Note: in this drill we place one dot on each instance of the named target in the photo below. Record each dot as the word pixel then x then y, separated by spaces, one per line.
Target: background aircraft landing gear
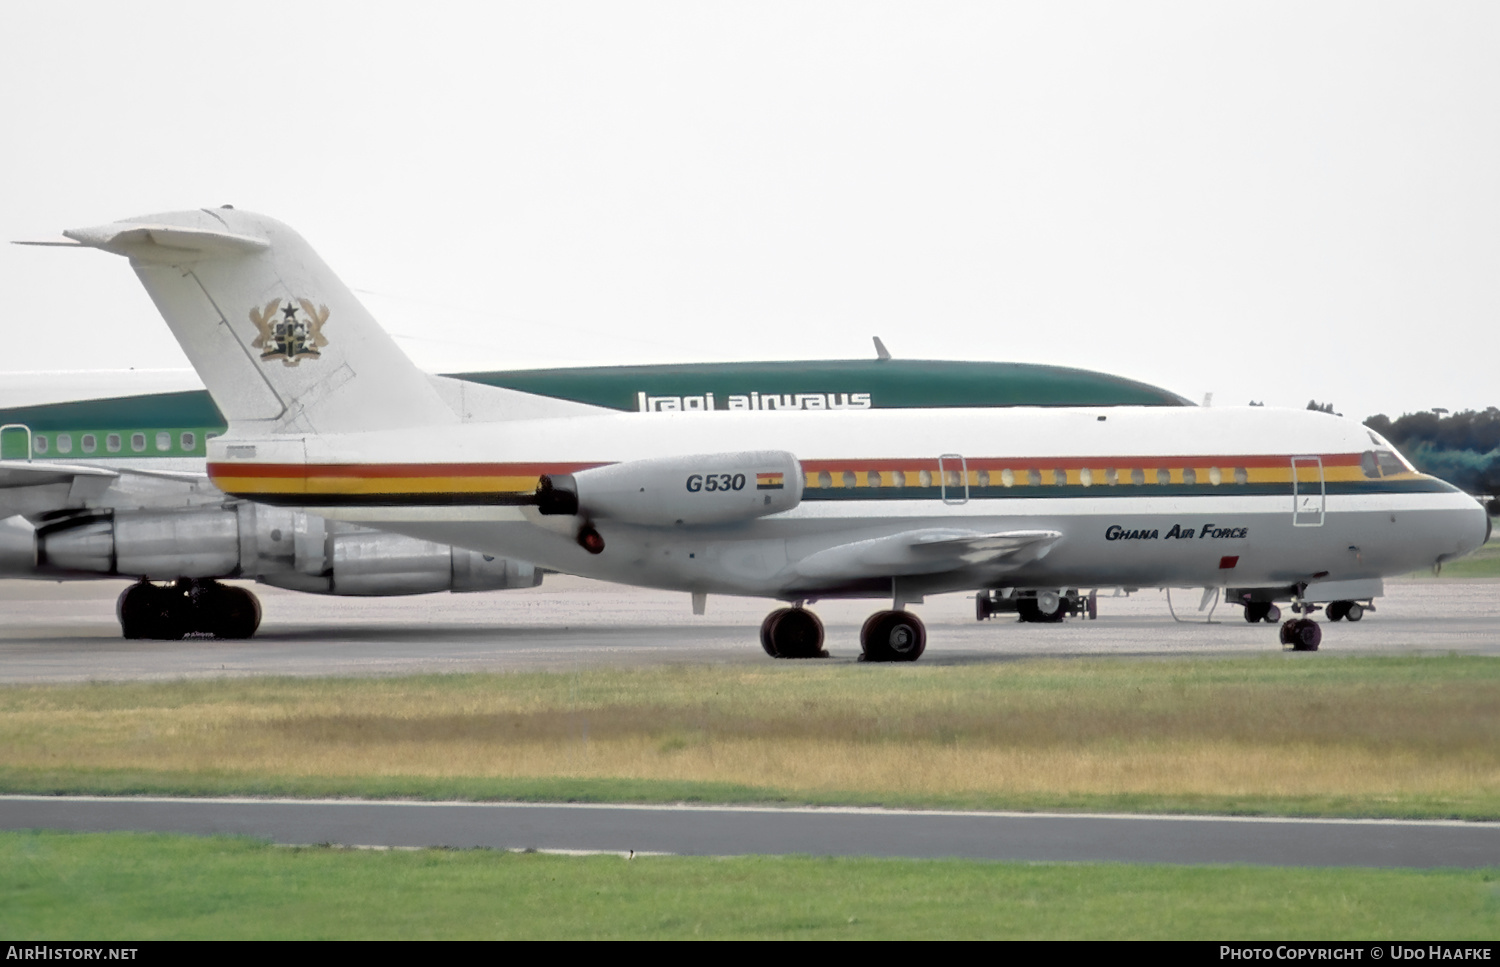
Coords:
pixel 892 636
pixel 1302 634
pixel 1046 607
pixel 792 633
pixel 185 607
pixel 1262 611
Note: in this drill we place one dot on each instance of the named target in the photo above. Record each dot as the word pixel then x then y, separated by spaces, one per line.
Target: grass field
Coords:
pixel 142 886
pixel 1285 734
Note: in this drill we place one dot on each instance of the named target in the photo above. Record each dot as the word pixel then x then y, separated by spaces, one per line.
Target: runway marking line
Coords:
pixel 811 810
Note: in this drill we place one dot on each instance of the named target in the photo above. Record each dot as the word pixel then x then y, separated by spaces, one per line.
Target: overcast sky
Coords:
pixel 1263 201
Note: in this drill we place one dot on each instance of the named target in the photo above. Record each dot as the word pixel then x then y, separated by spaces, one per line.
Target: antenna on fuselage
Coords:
pixel 881 353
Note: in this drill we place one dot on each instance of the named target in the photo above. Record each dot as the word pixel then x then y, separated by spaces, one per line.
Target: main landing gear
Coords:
pixel 886 636
pixel 187 606
pixel 1256 611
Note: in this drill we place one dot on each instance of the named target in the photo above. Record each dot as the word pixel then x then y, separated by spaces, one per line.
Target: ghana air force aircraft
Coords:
pixel 116 486
pixel 326 415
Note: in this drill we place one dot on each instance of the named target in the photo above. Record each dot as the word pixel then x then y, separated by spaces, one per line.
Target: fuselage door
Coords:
pixel 1309 496
pixel 15 441
pixel 953 471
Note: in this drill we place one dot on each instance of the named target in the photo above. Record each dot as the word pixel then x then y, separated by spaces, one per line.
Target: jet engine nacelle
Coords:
pixel 279 547
pixel 710 488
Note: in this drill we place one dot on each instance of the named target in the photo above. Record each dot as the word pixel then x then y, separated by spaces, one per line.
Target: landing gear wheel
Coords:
pixel 792 633
pixel 1029 610
pixel 1257 611
pixel 1336 610
pixel 1273 614
pixel 893 636
pixel 1093 605
pixel 1302 634
pixel 228 612
pixel 147 611
pixel 1354 611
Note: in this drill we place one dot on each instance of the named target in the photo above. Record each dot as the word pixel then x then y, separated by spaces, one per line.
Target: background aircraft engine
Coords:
pixel 713 488
pixel 282 548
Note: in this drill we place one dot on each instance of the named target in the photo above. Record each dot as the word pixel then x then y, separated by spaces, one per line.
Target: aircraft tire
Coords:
pixel 149 612
pixel 230 613
pixel 1302 634
pixel 797 633
pixel 1354 611
pixel 893 636
pixel 1337 609
pixel 766 642
pixel 1273 615
pixel 1257 611
pixel 1028 611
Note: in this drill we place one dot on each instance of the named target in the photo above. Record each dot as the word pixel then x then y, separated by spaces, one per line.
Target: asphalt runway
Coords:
pixel 67 632
pixel 731 831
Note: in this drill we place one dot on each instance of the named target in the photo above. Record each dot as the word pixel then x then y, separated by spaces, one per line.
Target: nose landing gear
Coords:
pixel 1301 634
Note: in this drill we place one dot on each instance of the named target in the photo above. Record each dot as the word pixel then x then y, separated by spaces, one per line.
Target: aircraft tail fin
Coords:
pixel 273 333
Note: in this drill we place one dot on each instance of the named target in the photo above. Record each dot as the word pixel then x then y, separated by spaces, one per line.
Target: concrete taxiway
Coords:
pixel 67 632
pixel 728 830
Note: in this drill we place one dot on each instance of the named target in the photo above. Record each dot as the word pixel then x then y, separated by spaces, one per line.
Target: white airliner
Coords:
pixel 326 414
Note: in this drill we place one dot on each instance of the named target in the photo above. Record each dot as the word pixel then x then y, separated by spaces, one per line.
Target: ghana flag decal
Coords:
pixel 770 481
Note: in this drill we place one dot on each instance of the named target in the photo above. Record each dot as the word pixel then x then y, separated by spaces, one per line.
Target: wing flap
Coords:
pixel 24 473
pixel 926 551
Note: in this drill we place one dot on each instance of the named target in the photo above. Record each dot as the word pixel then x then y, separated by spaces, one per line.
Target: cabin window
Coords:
pixel 1163 476
pixel 137 442
pixel 1215 477
pixel 873 478
pixel 924 478
pixel 850 480
pixel 1007 478
pixel 898 478
pixel 1189 476
pixel 1111 476
pixel 39 444
pixel 90 444
pixel 111 443
pixel 825 480
pixel 982 478
pixel 1241 475
pixel 164 441
pixel 1086 477
pixel 1138 477
pixel 1034 477
pixel 65 443
pixel 189 441
pixel 1060 477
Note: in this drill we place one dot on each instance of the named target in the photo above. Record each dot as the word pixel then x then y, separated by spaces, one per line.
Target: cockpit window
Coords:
pixel 1383 463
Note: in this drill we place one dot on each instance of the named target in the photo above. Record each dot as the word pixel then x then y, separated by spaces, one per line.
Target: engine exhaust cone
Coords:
pixel 591 540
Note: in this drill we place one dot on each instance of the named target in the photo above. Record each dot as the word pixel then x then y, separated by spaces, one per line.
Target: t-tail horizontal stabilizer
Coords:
pixel 275 336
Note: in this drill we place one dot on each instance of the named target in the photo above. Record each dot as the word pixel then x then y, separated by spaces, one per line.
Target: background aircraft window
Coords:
pixel 825 480
pixel 164 441
pixel 1390 463
pixel 1163 476
pixel 112 442
pixel 1138 476
pixel 1086 477
pixel 1007 478
pixel 89 443
pixel 1241 475
pixel 39 444
pixel 1189 476
pixel 64 443
pixel 189 441
pixel 1215 476
pixel 898 478
pixel 1034 477
pixel 873 478
pixel 137 442
pixel 924 478
pixel 982 478
pixel 850 480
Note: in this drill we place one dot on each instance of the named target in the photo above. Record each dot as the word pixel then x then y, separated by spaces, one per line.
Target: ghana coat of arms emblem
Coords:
pixel 290 332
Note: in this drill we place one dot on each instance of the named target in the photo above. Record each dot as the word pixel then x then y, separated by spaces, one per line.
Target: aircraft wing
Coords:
pixel 930 550
pixel 27 473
